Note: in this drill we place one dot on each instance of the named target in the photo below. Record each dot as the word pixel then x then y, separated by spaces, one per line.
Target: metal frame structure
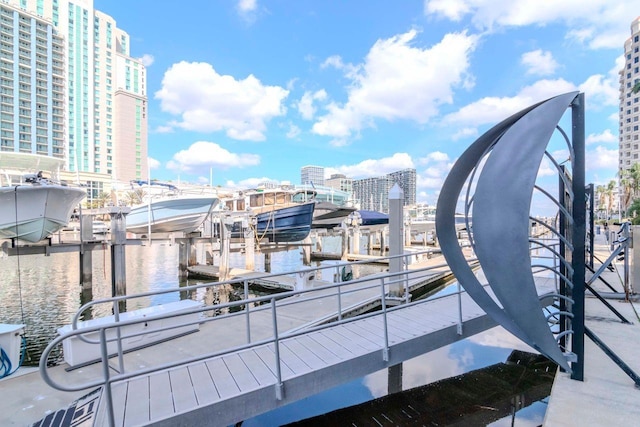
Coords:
pixel 499 171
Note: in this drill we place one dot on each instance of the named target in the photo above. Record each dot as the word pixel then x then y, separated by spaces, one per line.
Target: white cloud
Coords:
pixel 490 110
pixel 247 5
pixel 247 9
pixel 431 176
pixel 597 23
pixel 373 167
pixel 399 81
pixel 539 62
pixel 153 163
pixel 602 158
pixel 293 131
pixel 334 61
pixel 305 104
pixel 202 155
pixel 464 133
pixel 164 129
pixel 605 136
pixel 210 102
pixel 147 59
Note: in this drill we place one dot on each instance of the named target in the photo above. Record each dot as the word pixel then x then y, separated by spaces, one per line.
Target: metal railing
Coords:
pixel 116 331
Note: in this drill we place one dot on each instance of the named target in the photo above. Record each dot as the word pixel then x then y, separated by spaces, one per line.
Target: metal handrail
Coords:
pixel 108 378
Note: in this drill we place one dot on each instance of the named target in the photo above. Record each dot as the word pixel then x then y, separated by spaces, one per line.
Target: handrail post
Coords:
pixel 116 314
pixel 107 382
pixel 246 307
pixel 459 308
pixel 339 302
pixel 276 342
pixel 385 350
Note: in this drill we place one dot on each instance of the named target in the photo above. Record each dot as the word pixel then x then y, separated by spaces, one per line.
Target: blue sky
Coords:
pixel 255 89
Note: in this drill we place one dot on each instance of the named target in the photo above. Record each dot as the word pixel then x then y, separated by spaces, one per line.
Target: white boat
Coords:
pixel 172 212
pixel 33 207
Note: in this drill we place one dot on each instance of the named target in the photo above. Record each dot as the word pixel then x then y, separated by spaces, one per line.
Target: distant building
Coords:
pixel 340 182
pixel 629 149
pixel 70 88
pixel 312 175
pixel 373 193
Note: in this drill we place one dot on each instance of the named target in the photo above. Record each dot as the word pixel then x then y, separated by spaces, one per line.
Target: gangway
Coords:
pixel 272 369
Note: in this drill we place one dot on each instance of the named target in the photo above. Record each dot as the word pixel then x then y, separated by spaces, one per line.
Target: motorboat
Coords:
pixel 332 206
pixel 330 215
pixel 170 212
pixel 32 207
pixel 278 214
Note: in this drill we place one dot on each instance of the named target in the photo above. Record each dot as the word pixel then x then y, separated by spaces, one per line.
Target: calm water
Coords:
pixel 44 293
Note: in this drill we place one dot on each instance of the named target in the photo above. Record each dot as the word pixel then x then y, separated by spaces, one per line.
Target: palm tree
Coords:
pixel 630 184
pixel 608 194
pixel 134 197
pixel 636 87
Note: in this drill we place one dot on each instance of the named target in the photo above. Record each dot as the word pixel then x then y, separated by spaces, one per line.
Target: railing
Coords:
pixel 113 332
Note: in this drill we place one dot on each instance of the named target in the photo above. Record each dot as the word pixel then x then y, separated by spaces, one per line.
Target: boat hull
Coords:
pixel 288 224
pixel 328 215
pixel 183 214
pixel 33 212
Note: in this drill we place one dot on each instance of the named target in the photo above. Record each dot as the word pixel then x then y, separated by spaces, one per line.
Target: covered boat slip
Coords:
pixel 217 386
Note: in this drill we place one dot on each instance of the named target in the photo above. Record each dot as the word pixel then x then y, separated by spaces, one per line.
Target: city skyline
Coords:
pixel 250 91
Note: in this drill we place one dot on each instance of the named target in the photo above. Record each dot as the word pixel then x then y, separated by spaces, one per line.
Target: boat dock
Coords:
pixel 607 396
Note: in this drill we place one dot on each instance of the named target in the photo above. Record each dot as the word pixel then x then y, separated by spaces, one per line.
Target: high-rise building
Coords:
pixel 630 101
pixel 340 182
pixel 32 84
pixel 373 193
pixel 104 89
pixel 406 179
pixel 312 175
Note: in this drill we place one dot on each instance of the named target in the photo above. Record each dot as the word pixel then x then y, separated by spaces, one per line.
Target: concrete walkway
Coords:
pixel 607 396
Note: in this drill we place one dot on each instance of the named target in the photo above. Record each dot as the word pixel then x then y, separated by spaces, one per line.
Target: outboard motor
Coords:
pixel 32 177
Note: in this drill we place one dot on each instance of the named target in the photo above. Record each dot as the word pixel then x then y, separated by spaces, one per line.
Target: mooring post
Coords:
pixel 225 247
pixel 249 249
pixel 394 379
pixel 184 248
pixel 306 250
pixel 345 244
pixel 355 249
pixel 396 243
pixel 86 257
pixel 118 244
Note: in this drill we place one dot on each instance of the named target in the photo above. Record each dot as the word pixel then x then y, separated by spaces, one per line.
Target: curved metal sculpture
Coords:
pixel 512 151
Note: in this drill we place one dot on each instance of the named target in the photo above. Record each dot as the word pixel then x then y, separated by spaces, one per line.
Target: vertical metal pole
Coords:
pixel 118 261
pixel 590 191
pixel 276 342
pixel 459 329
pixel 396 243
pixel 107 382
pixel 562 247
pixel 247 308
pixel 383 299
pixel 340 301
pixel 579 220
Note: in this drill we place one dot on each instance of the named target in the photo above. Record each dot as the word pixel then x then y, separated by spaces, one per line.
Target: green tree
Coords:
pixel 630 185
pixel 134 197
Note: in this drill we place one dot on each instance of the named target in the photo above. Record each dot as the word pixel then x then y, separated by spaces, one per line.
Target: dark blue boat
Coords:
pixel 286 224
pixel 373 218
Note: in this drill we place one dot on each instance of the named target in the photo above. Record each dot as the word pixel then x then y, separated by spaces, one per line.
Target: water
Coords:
pixel 44 293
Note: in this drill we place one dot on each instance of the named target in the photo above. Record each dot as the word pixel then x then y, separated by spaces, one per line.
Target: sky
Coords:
pixel 246 91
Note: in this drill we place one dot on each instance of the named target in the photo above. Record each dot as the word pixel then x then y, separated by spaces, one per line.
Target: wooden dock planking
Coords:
pixel 136 410
pixel 203 385
pixel 184 396
pixel 261 370
pixel 240 373
pixel 224 382
pixel 160 396
pixel 232 380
